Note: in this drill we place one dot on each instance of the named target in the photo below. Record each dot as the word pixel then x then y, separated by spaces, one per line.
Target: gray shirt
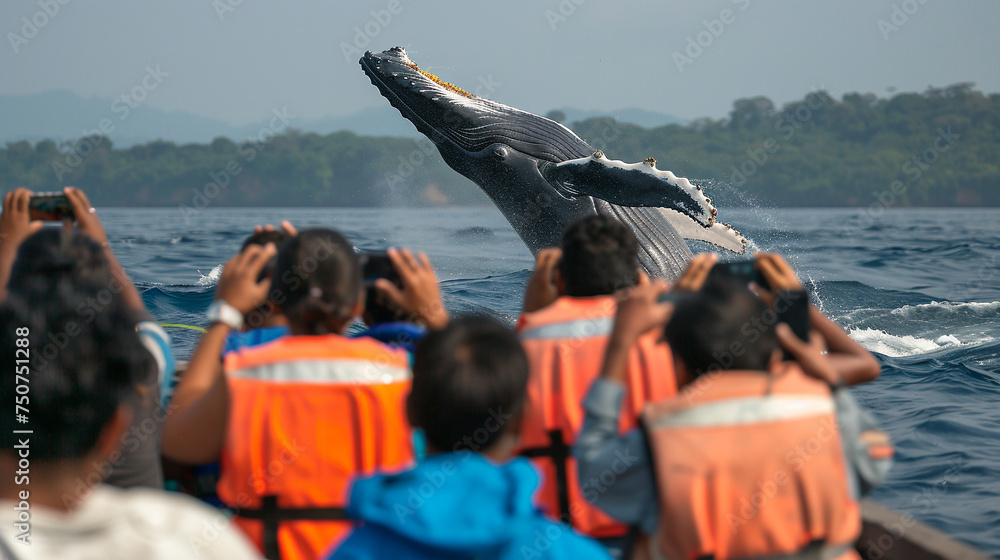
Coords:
pixel 616 474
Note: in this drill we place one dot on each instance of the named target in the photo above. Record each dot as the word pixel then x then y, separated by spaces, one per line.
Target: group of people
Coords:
pixel 620 417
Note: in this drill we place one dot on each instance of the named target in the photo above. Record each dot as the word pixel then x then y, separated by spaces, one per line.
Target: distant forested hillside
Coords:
pixel 939 148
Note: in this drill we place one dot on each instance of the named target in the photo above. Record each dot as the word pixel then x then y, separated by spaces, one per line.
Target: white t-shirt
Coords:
pixel 135 524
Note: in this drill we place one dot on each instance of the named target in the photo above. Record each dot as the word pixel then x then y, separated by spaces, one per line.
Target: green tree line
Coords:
pixel 938 148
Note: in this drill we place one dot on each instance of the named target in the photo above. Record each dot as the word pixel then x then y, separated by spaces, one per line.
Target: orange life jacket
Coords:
pixel 307 414
pixel 565 343
pixel 750 465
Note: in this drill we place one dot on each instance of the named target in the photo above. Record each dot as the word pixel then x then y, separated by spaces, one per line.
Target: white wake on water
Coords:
pixel 875 340
pixel 212 278
pixel 972 308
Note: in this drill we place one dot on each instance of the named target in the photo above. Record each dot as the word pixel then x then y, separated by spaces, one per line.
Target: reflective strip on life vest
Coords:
pixel 813 551
pixel 748 410
pixel 326 371
pixel 580 328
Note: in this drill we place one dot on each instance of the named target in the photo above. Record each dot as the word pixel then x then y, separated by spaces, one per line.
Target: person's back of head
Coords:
pixel 81 371
pixel 715 329
pixel 266 314
pixel 59 260
pixel 317 282
pixel 264 237
pixel 463 376
pixel 600 256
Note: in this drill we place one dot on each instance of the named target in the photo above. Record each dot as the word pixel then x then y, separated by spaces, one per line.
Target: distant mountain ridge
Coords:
pixel 62 115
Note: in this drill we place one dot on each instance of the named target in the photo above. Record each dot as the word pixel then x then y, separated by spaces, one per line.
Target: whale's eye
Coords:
pixel 500 152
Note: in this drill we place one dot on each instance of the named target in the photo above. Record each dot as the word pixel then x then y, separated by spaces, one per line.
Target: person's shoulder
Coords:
pixel 171 517
pixel 554 541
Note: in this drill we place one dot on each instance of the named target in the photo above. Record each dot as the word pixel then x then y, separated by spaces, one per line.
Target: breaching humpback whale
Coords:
pixel 542 176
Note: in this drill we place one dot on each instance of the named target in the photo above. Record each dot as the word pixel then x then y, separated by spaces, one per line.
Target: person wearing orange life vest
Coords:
pixel 569 310
pixel 758 459
pixel 295 419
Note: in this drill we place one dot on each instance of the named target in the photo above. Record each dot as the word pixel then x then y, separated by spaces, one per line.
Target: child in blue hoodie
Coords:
pixel 467 499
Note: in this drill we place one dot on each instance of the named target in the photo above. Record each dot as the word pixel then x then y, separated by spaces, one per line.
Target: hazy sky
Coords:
pixel 238 59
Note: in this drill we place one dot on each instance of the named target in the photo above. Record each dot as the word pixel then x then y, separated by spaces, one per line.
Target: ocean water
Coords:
pixel 920 288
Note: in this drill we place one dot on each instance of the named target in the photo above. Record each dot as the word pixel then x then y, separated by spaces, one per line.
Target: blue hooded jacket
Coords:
pixel 457 505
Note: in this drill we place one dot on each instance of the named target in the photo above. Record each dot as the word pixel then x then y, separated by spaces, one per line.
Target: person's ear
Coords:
pixel 560 282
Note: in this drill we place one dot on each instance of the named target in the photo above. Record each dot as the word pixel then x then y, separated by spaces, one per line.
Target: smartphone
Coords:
pixel 792 307
pixel 49 207
pixel 741 271
pixel 375 265
pixel 672 297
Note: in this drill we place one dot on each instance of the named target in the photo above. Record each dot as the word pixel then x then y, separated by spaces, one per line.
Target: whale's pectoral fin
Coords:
pixel 719 234
pixel 630 184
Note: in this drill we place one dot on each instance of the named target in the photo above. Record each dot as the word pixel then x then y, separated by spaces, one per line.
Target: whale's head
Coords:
pixel 535 169
pixel 456 119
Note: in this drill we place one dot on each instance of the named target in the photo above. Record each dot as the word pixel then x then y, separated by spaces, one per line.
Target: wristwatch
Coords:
pixel 222 312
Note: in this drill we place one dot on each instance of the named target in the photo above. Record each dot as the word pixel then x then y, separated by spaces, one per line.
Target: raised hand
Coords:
pixel 420 294
pixel 541 288
pixel 85 216
pixel 697 271
pixel 238 285
pixel 809 355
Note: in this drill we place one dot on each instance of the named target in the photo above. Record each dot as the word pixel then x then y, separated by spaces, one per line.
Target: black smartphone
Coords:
pixel 49 207
pixel 740 271
pixel 375 265
pixel 671 297
pixel 792 307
